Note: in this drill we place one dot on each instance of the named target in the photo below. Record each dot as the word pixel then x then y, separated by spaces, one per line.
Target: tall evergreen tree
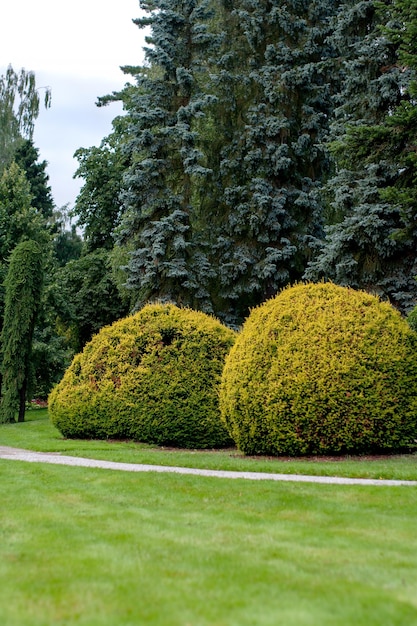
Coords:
pixel 161 210
pixel 224 152
pixel 23 286
pixel 27 157
pixel 275 96
pixel 397 138
pixel 19 221
pixel 373 241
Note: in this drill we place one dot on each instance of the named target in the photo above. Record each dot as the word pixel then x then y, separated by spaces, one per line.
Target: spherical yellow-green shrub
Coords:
pixel 322 369
pixel 151 377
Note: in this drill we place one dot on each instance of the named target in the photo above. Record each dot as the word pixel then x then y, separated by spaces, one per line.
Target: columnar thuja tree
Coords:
pixel 161 212
pixel 277 87
pixel 23 286
pixel 371 243
pixel 18 219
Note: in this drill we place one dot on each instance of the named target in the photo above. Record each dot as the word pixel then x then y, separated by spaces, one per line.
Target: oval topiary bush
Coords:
pixel 322 369
pixel 151 377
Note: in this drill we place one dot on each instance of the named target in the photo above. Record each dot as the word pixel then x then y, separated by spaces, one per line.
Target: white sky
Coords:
pixel 76 48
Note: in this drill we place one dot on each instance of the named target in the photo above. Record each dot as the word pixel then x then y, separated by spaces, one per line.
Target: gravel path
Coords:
pixel 17 454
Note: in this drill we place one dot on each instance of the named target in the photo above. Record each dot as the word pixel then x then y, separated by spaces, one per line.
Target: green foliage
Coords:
pixel 19 221
pixel 50 355
pixel 373 193
pixel 275 92
pixel 412 319
pixel 67 245
pixel 98 205
pixel 27 157
pixel 19 108
pixel 151 377
pixel 85 297
pixel 23 289
pixel 161 211
pixel 322 369
pixel 18 218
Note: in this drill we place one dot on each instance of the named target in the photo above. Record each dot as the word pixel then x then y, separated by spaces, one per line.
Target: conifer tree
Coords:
pixel 19 221
pixel 275 89
pixel 225 152
pixel 372 242
pixel 160 197
pixel 396 139
pixel 23 289
pixel 27 157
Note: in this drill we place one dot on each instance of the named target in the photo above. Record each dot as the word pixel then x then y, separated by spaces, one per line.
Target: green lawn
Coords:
pixel 38 434
pixel 94 547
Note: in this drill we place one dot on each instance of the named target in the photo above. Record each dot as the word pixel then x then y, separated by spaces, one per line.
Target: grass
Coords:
pixel 37 433
pixel 91 547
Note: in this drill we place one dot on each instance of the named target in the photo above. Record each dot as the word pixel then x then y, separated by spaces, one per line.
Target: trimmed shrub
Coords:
pixel 322 369
pixel 151 377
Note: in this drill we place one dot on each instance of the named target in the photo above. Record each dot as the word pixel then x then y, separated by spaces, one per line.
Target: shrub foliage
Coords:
pixel 322 369
pixel 151 377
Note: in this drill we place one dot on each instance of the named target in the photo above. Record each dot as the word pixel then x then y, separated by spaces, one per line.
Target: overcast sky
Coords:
pixel 76 49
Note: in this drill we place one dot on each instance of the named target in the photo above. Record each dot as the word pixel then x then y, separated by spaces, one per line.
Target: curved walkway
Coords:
pixel 17 454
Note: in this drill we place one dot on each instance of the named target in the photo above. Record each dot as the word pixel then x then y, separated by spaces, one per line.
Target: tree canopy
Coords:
pixel 372 244
pixel 19 107
pixel 262 143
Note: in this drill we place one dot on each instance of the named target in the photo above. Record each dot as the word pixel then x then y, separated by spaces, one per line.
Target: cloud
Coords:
pixel 81 37
pixel 72 122
pixel 76 49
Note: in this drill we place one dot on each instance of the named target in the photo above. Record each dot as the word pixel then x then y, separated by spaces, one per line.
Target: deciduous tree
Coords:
pixel 85 298
pixel 19 108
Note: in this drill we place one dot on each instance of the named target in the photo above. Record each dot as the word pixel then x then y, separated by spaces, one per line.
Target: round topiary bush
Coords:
pixel 151 377
pixel 322 369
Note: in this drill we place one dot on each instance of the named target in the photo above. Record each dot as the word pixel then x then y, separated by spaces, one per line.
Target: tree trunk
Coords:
pixel 22 400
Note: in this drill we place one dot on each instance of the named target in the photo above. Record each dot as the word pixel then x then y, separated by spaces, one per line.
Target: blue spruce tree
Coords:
pixel 161 220
pixel 371 237
pixel 274 87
